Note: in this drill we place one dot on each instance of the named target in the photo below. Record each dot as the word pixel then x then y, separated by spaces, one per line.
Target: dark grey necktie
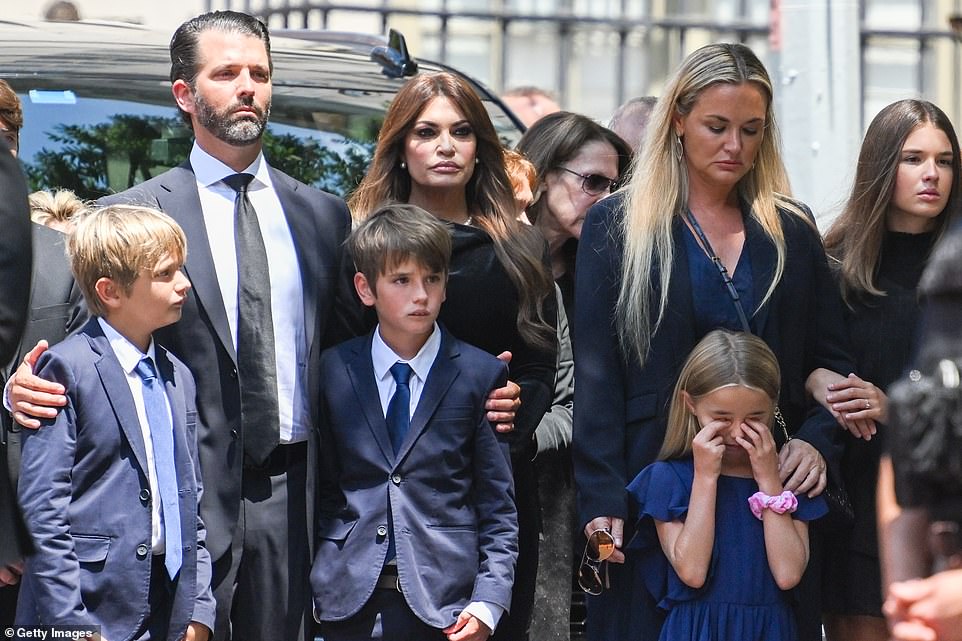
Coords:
pixel 255 330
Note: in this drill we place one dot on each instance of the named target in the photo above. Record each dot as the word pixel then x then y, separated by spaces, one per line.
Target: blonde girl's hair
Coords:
pixel 854 241
pixel 658 191
pixel 519 249
pixel 721 358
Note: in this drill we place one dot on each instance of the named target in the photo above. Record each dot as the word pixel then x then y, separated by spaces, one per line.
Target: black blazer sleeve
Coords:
pixel 16 254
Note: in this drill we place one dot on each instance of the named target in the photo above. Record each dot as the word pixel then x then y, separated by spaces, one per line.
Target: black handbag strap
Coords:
pixel 736 300
pixel 726 277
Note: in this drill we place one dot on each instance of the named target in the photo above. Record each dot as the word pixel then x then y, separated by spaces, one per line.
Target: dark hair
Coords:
pixel 184 45
pixel 855 238
pixel 557 138
pixel 395 233
pixel 519 249
pixel 11 111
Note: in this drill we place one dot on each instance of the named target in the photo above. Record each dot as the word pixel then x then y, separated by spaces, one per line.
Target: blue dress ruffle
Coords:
pixel 740 600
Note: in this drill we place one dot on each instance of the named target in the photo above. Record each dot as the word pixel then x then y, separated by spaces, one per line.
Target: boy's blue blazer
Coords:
pixel 449 489
pixel 85 495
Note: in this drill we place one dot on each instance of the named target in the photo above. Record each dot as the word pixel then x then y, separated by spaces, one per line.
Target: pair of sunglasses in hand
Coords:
pixel 600 546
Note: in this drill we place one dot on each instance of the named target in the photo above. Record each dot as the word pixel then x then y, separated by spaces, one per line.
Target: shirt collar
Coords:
pixel 209 171
pixel 383 357
pixel 127 353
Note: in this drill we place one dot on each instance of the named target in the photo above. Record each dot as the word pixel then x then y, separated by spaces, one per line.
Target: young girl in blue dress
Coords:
pixel 721 542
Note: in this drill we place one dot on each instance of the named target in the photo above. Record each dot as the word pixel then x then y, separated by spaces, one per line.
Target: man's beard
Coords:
pixel 228 127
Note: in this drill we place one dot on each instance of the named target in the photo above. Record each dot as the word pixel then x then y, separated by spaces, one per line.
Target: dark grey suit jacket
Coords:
pixel 56 310
pixel 449 489
pixel 15 263
pixel 319 223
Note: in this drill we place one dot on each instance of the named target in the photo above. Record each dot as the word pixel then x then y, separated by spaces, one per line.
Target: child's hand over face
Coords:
pixel 708 447
pixel 757 440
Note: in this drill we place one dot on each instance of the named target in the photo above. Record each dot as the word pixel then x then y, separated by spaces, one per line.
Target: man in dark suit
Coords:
pixel 417 528
pixel 15 264
pixel 255 382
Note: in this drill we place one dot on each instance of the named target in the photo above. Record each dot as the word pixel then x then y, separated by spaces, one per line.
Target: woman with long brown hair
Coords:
pixel 904 196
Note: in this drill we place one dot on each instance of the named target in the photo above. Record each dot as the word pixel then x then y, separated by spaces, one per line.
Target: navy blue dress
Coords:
pixel 740 600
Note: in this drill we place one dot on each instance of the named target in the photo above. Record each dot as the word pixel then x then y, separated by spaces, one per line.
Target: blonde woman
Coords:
pixel 703 237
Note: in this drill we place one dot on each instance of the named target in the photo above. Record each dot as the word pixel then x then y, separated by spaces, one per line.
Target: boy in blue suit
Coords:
pixel 417 528
pixel 110 487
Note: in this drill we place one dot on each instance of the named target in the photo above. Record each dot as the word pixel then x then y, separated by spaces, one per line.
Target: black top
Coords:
pixel 882 332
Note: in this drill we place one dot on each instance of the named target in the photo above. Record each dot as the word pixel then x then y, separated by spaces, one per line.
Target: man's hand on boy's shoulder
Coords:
pixel 467 628
pixel 30 397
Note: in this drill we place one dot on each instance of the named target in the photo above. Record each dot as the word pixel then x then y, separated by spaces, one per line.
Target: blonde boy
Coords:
pixel 109 487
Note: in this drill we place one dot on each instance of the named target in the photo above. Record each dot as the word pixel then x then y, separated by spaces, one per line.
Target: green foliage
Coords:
pixel 111 156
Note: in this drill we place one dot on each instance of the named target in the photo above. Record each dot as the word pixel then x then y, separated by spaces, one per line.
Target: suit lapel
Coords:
pixel 360 369
pixel 303 234
pixel 183 205
pixel 115 384
pixel 442 375
pixel 763 256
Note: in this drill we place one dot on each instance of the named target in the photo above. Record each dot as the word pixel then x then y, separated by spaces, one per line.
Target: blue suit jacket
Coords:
pixel 85 495
pixel 621 409
pixel 449 489
pixel 319 223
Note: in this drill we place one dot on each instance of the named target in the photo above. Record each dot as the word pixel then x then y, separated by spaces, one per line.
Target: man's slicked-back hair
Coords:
pixel 184 56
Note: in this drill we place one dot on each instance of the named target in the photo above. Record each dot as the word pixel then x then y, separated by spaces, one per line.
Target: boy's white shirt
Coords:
pixel 383 358
pixel 129 355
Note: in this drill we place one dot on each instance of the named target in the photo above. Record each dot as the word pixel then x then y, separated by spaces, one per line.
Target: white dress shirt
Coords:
pixel 129 356
pixel 287 290
pixel 383 357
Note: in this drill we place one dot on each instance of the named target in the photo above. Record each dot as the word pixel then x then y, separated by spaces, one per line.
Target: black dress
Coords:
pixel 882 330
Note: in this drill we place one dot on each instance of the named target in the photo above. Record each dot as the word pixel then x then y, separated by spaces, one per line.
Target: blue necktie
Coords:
pixel 399 409
pixel 162 438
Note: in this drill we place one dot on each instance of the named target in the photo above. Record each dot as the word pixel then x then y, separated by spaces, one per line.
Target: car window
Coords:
pixel 99 116
pixel 96 146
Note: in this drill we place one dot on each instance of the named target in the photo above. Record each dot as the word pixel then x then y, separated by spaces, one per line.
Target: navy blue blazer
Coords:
pixel 621 409
pixel 448 492
pixel 86 498
pixel 319 223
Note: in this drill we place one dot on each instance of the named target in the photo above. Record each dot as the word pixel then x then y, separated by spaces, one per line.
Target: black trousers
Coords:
pixel 262 583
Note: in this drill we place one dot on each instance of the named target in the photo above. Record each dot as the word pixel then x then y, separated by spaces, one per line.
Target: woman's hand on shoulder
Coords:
pixel 707 449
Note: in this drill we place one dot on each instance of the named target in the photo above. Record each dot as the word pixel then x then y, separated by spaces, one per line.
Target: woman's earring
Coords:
pixel 477 160
pixel 404 165
pixel 678 148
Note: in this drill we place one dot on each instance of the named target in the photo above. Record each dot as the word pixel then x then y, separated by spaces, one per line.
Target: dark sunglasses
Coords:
pixel 598 549
pixel 593 184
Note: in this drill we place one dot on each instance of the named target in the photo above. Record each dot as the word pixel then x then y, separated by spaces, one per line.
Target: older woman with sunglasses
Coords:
pixel 578 162
pixel 705 236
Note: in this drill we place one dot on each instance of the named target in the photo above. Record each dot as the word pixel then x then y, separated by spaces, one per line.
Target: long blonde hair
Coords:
pixel 721 358
pixel 658 190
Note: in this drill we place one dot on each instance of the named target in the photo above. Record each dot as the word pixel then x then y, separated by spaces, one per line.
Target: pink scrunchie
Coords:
pixel 780 504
